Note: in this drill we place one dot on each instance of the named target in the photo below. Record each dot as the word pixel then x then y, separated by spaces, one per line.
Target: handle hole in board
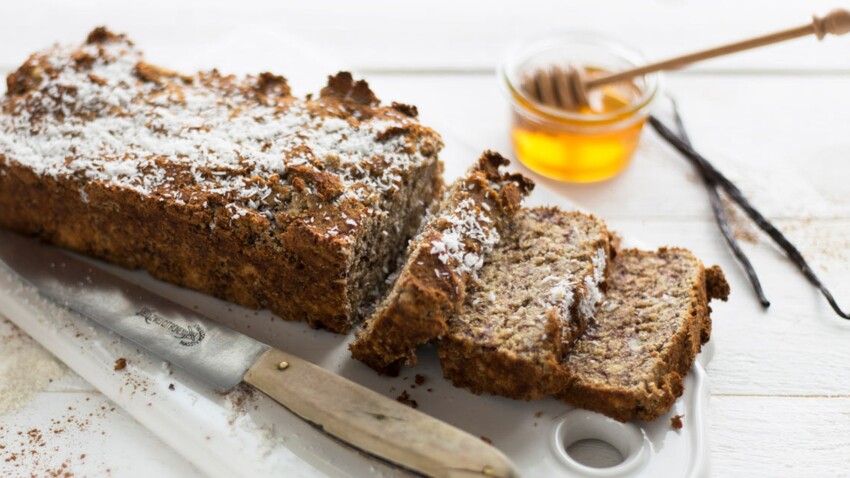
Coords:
pixel 595 453
pixel 592 445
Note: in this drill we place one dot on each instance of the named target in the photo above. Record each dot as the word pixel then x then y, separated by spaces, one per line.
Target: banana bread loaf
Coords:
pixel 632 360
pixel 532 301
pixel 227 185
pixel 441 261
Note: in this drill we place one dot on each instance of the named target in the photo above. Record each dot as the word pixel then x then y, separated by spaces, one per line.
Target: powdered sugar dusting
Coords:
pixel 187 138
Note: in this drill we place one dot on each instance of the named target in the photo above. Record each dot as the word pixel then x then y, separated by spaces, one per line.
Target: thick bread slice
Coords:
pixel 632 360
pixel 441 261
pixel 531 302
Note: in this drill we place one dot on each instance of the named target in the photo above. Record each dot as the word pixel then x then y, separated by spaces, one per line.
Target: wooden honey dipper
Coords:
pixel 567 88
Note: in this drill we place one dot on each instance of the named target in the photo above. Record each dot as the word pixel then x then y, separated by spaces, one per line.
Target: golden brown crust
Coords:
pixel 102 35
pixel 408 110
pixel 430 288
pixel 415 313
pixel 481 369
pixel 157 74
pixel 297 274
pixel 343 87
pixel 715 283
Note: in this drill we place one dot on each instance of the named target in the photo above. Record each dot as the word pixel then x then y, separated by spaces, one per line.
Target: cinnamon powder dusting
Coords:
pixel 40 451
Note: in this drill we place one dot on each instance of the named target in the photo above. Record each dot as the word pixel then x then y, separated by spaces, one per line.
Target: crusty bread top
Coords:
pixel 100 112
pixel 468 220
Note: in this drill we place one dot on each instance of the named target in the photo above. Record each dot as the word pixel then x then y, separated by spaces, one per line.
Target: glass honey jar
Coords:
pixel 589 144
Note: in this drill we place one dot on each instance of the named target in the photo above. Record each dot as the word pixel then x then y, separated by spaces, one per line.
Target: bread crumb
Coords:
pixel 405 399
pixel 120 364
pixel 486 440
pixel 171 386
pixel 676 422
pixel 538 414
pixel 419 379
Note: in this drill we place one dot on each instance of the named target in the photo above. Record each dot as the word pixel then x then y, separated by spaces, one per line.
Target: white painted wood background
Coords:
pixel 776 121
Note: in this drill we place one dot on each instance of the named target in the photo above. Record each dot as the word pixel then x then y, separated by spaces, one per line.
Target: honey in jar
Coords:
pixel 592 143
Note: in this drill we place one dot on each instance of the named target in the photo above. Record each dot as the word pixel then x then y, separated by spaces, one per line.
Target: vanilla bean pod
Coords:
pixel 736 195
pixel 720 215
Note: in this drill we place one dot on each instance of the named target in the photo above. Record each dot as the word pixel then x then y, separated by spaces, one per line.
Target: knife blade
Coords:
pixel 223 358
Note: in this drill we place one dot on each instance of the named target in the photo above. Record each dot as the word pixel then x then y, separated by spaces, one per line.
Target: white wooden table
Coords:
pixel 776 121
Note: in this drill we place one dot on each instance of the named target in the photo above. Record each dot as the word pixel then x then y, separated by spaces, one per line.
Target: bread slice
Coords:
pixel 441 261
pixel 532 301
pixel 228 185
pixel 632 360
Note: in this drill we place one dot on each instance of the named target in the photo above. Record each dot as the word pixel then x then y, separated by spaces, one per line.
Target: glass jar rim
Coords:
pixel 529 48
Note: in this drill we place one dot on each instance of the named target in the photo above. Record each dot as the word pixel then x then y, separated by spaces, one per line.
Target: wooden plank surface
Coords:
pixel 434 35
pixel 774 121
pixel 780 436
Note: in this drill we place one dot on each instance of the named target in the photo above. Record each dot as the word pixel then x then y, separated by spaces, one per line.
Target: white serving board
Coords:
pixel 247 434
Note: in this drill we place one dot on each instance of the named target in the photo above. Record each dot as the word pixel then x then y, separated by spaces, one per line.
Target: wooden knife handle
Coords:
pixel 374 423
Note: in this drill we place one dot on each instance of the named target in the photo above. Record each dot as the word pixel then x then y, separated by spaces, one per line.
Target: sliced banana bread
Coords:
pixel 441 260
pixel 533 298
pixel 631 362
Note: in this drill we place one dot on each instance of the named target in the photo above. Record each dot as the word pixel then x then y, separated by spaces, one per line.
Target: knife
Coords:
pixel 224 358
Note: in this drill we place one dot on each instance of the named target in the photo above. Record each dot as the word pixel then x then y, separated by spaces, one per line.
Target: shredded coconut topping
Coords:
pixel 560 297
pixel 593 296
pixel 468 239
pixel 92 116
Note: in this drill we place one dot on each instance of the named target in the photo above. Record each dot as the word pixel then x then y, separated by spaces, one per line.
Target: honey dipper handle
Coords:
pixel 836 22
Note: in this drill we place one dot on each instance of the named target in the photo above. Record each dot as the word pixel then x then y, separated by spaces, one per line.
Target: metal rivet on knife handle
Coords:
pixel 283 366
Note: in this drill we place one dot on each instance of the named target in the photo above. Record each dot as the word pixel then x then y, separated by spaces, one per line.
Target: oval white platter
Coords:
pixel 243 433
